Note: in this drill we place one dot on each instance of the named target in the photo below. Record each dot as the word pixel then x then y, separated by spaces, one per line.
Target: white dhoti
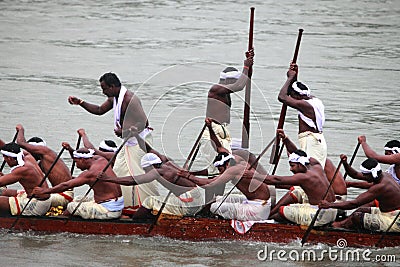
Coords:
pixel 238 207
pixel 36 207
pixel 89 209
pixel 206 146
pixel 380 221
pixel 187 204
pixel 303 214
pixel 127 163
pixel 314 145
pixel 62 199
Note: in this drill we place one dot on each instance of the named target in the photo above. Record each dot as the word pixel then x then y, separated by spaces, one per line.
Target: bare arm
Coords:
pixel 78 181
pixel 92 108
pixel 349 170
pixel 362 199
pixel 370 153
pixel 361 185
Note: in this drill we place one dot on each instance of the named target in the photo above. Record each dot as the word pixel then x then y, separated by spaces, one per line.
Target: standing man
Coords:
pixel 219 108
pixel 45 157
pixel 297 95
pixel 128 111
pixel 26 171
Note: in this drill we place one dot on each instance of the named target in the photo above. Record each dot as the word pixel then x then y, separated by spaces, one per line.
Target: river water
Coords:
pixel 169 53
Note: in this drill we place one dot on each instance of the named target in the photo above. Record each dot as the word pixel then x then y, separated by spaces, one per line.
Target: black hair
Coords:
pixel 110 79
pixel 300 85
pixel 229 69
pixel 35 139
pixel 219 157
pixel 393 143
pixel 12 147
pixel 371 163
pixel 109 143
pixel 300 153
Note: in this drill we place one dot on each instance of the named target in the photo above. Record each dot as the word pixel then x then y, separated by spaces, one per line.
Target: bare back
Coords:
pixel 387 192
pixel 219 104
pixel 132 113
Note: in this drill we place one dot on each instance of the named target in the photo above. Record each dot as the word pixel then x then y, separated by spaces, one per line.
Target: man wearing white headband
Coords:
pixel 45 157
pixel 187 199
pixel 391 156
pixel 128 111
pixel 384 190
pixel 296 194
pixel 310 176
pixel 26 171
pixel 252 205
pixel 107 202
pixel 218 111
pixel 311 115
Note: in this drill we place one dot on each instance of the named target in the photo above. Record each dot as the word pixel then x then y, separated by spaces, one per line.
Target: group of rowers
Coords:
pixel 137 168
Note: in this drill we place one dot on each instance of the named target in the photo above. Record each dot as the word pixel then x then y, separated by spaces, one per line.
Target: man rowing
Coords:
pixel 384 189
pixel 252 205
pixel 106 148
pixel 309 175
pixel 46 157
pixel 186 199
pixel 26 171
pixel 107 200
pixel 311 116
pixel 128 111
pixel 218 110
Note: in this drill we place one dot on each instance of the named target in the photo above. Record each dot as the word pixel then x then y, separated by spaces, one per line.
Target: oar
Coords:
pixel 193 153
pixel 4 162
pixel 387 230
pixel 352 158
pixel 40 184
pixel 307 233
pixel 246 115
pixel 274 153
pixel 104 170
pixel 279 156
pixel 78 143
pixel 251 166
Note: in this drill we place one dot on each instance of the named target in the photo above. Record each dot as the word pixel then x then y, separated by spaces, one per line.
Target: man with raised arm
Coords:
pixel 27 172
pixel 107 200
pixel 384 189
pixel 219 110
pixel 45 157
pixel 297 95
pixel 128 111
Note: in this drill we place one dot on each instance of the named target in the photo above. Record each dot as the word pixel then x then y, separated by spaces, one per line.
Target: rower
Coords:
pixel 384 189
pixel 45 157
pixel 26 171
pixel 107 201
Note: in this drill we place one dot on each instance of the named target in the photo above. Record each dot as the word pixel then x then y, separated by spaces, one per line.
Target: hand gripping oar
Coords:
pixel 78 143
pixel 308 231
pixel 246 112
pixel 251 166
pixel 274 154
pixel 130 134
pixel 193 153
pixel 387 230
pixel 4 162
pixel 40 184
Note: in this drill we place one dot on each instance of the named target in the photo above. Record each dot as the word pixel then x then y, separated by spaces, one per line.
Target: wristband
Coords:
pixel 81 102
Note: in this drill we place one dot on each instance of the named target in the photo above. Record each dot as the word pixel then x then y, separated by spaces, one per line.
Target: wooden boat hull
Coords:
pixel 197 229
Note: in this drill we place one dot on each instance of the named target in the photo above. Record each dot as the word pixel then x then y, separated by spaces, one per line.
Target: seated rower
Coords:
pixel 310 176
pixel 106 148
pixel 26 171
pixel 108 201
pixel 253 205
pixel 45 157
pixel 296 192
pixel 384 189
pixel 187 198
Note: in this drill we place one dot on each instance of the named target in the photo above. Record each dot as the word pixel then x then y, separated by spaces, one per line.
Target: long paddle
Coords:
pixel 4 162
pixel 246 115
pixel 251 166
pixel 193 153
pixel 130 134
pixel 78 143
pixel 40 184
pixel 307 233
pixel 274 154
